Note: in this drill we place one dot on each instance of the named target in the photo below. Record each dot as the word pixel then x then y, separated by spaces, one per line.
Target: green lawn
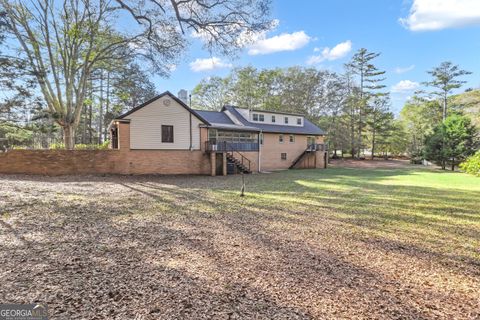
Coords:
pixel 302 244
pixel 433 209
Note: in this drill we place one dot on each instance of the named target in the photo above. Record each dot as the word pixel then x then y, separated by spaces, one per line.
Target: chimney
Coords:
pixel 183 95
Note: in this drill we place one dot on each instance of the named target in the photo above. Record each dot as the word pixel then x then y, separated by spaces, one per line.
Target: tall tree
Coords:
pixel 369 82
pixel 445 80
pixel 212 93
pixel 379 120
pixel 64 41
pixel 419 116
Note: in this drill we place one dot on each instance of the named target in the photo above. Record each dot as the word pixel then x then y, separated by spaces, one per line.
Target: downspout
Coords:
pixel 191 135
pixel 259 150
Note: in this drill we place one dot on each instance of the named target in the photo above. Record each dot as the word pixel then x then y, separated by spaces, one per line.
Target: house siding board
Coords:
pixel 146 126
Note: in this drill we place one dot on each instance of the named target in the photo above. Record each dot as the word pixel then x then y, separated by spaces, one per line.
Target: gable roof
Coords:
pixel 180 102
pixel 307 128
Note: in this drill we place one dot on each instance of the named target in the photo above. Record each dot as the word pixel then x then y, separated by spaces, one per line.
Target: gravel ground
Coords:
pixel 190 248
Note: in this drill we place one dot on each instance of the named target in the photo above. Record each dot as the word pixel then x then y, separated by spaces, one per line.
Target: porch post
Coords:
pixel 213 164
pixel 224 163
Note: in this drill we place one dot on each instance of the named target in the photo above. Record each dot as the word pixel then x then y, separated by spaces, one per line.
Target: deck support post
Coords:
pixel 213 164
pixel 224 163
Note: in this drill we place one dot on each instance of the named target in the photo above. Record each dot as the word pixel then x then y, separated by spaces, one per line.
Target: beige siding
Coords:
pixel 146 126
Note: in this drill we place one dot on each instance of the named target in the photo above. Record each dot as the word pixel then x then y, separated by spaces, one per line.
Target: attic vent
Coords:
pixel 166 102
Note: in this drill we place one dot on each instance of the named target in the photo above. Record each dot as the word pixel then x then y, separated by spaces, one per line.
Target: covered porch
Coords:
pixel 231 151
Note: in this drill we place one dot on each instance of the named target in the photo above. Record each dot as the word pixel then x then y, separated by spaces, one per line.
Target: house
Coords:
pixel 164 135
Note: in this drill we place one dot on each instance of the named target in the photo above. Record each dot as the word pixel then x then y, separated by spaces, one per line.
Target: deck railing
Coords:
pixel 316 147
pixel 225 146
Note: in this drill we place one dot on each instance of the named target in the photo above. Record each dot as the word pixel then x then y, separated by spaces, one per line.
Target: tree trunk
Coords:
pixel 69 136
pixel 373 144
pixel 445 107
pixel 453 164
pixel 100 111
pixel 107 108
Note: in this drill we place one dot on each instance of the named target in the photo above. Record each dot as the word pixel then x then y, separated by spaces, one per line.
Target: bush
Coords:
pixel 103 146
pixel 472 164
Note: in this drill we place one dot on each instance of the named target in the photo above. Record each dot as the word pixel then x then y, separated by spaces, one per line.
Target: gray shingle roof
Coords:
pixel 219 120
pixel 215 116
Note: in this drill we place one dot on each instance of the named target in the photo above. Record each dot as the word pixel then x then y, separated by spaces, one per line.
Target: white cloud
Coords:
pixel 401 70
pixel 428 15
pixel 208 64
pixel 405 86
pixel 282 42
pixel 337 52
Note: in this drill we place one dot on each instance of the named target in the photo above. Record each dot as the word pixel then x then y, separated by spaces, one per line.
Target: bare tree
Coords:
pixel 63 41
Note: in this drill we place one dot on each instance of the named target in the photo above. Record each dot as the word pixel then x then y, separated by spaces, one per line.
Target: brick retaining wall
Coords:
pixel 61 162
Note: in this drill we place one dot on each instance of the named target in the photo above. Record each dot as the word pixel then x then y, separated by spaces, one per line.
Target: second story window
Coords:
pixel 299 121
pixel 261 117
pixel 255 117
pixel 286 120
pixel 273 119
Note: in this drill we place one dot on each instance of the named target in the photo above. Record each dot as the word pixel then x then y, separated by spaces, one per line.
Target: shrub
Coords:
pixel 472 164
pixel 102 146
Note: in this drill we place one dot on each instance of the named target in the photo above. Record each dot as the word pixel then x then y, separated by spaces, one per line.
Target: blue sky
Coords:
pixel 412 36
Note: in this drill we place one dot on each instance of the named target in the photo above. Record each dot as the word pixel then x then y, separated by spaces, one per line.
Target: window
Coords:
pixel 261 118
pixel 292 138
pixel 283 156
pixel 167 134
pixel 286 120
pixel 261 138
pixel 273 119
pixel 255 117
pixel 280 138
pixel 299 121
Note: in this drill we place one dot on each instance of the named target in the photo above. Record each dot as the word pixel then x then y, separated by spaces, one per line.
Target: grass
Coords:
pixel 337 243
pixel 429 208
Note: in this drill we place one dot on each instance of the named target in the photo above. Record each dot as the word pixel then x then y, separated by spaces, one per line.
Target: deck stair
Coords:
pixel 311 148
pixel 242 165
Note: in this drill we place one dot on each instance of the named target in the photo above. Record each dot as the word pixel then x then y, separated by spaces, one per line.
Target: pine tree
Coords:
pixel 369 82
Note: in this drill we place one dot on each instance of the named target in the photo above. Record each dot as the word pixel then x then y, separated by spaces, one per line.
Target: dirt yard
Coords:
pixel 305 244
